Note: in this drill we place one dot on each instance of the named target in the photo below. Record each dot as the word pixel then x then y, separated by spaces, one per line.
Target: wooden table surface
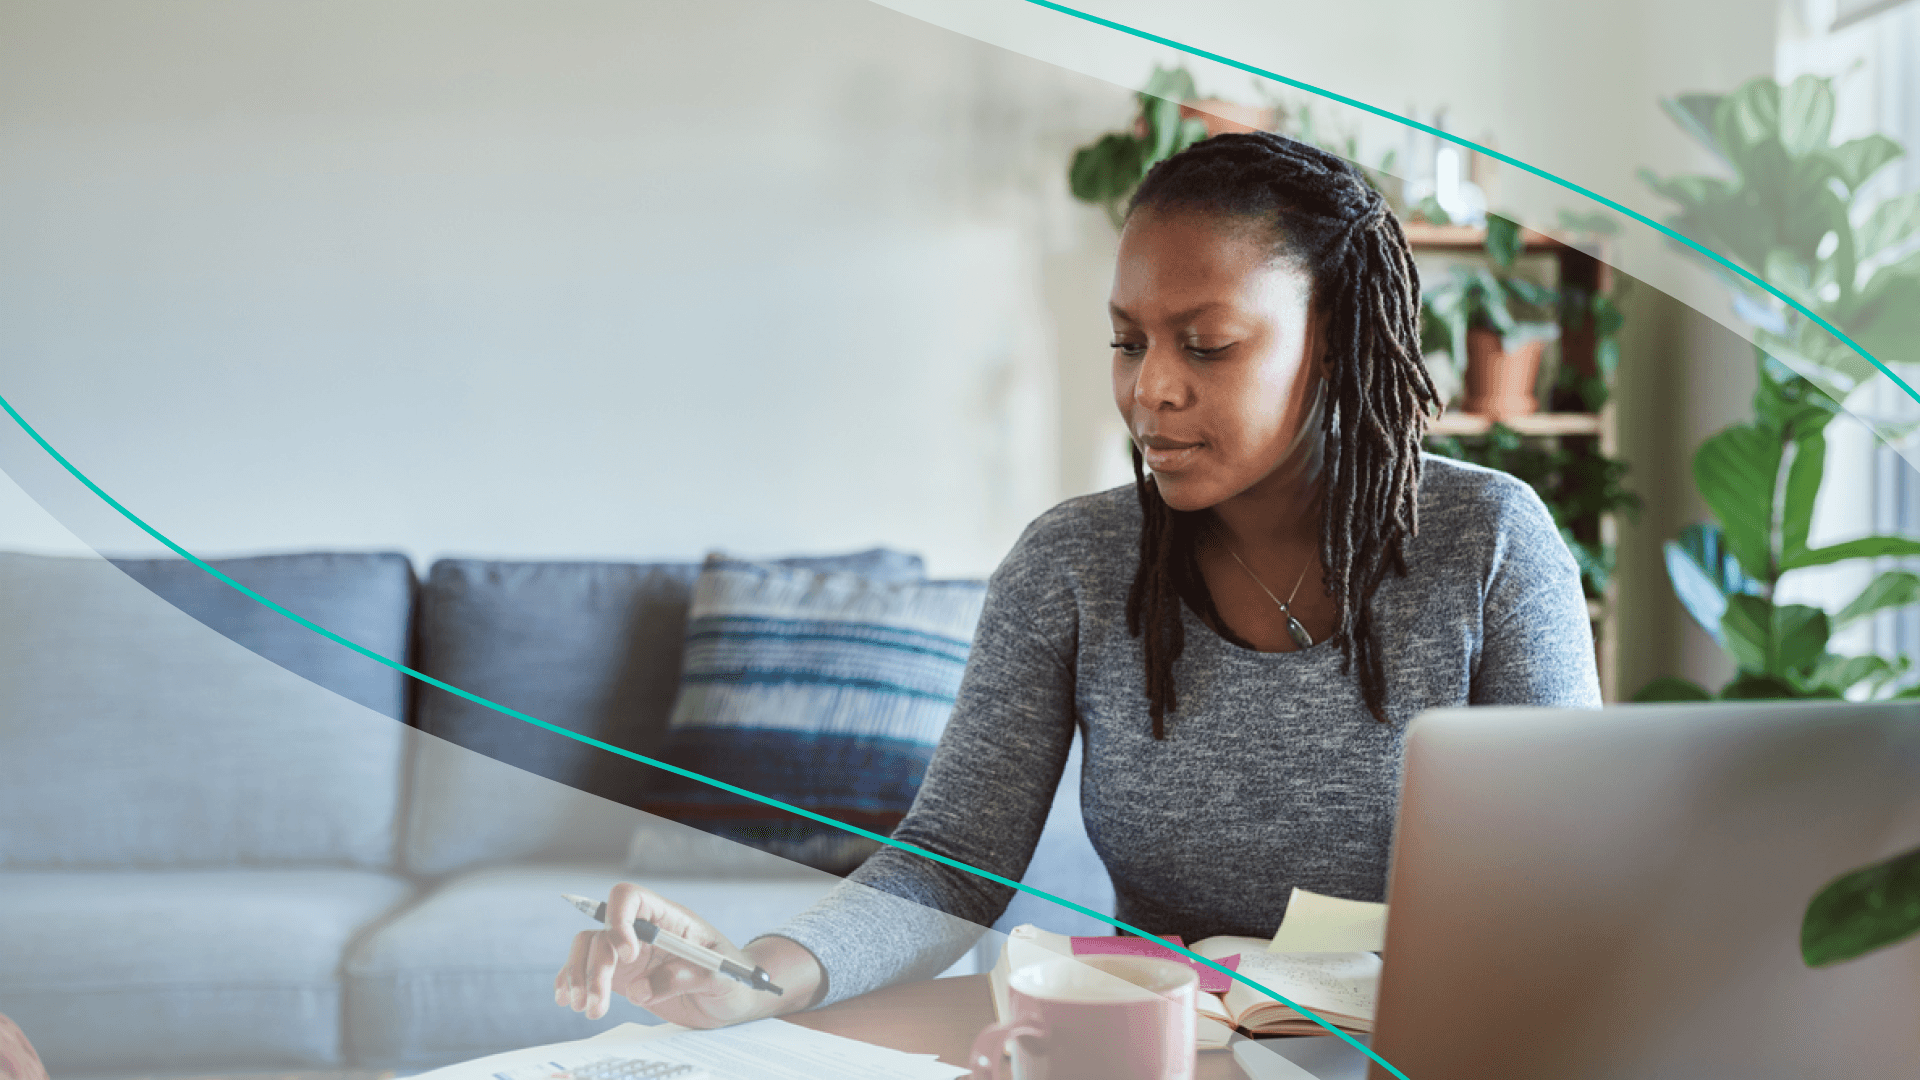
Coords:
pixel 942 1016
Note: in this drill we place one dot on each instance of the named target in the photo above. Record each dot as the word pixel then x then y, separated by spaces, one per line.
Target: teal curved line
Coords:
pixel 1515 162
pixel 643 759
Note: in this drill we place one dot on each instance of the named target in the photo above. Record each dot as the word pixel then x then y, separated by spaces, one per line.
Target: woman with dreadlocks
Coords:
pixel 1240 637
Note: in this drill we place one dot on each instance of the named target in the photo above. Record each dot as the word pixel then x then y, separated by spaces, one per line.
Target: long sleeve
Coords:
pixel 984 800
pixel 1537 639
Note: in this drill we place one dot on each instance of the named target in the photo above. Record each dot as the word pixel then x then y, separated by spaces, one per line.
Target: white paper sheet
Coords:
pixel 769 1049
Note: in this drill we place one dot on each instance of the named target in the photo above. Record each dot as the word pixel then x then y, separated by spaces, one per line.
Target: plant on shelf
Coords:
pixel 1497 322
pixel 1788 216
pixel 1578 482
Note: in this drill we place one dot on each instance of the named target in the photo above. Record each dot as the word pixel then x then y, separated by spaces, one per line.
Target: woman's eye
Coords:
pixel 1130 349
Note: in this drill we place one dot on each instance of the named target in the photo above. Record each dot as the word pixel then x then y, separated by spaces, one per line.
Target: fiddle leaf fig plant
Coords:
pixel 1759 479
pixel 1788 215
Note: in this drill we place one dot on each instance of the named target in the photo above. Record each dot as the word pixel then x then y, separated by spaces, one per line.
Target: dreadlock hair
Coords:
pixel 1320 214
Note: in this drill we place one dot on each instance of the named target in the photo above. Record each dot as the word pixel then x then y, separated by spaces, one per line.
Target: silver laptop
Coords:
pixel 1615 894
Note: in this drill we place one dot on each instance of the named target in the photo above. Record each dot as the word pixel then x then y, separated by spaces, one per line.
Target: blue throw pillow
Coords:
pixel 827 691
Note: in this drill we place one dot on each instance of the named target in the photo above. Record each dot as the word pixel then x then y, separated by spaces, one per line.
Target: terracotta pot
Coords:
pixel 1499 383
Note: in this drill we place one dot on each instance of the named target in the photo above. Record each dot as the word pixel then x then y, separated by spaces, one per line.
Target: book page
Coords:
pixel 1347 984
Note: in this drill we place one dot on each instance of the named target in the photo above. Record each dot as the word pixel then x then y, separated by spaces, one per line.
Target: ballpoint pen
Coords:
pixel 698 954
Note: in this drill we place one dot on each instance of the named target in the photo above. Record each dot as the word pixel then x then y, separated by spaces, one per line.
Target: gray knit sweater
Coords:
pixel 1273 773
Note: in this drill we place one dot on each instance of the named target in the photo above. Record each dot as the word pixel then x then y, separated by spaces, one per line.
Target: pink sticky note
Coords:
pixel 1212 981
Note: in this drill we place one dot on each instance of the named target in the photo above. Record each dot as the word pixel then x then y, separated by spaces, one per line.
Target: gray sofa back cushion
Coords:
pixel 592 647
pixel 136 736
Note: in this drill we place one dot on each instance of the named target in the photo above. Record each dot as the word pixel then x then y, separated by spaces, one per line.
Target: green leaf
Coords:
pixel 1735 472
pixel 1503 239
pixel 1838 673
pixel 1746 630
pixel 1893 589
pixel 1163 127
pixel 1749 686
pixel 1786 401
pixel 1863 910
pixel 1888 324
pixel 1800 636
pixel 1769 639
pixel 1891 223
pixel 1865 547
pixel 1857 159
pixel 1704 574
pixel 1695 587
pixel 1806 115
pixel 1672 688
pixel 1747 117
pixel 1174 82
pixel 1107 169
pixel 1803 485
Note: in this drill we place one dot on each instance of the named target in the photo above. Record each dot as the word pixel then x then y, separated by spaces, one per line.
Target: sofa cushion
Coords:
pixel 468 970
pixel 825 691
pixel 183 969
pixel 593 647
pixel 134 735
pixel 366 598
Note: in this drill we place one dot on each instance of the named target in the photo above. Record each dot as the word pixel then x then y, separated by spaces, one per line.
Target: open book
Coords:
pixel 1339 988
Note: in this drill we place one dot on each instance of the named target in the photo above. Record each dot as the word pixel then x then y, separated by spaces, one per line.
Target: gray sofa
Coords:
pixel 229 842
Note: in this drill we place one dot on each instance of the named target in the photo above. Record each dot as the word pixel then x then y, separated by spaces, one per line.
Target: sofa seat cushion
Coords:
pixel 176 970
pixel 468 970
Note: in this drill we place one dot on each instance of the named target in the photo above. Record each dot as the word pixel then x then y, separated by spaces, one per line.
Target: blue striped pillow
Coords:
pixel 824 690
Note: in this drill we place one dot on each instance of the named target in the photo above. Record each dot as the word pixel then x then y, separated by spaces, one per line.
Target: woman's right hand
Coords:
pixel 614 960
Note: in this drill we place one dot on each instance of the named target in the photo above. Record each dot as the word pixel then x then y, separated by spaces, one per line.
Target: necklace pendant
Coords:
pixel 1298 632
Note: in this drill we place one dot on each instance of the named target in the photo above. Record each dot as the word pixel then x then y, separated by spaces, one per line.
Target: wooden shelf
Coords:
pixel 1582 265
pixel 1532 424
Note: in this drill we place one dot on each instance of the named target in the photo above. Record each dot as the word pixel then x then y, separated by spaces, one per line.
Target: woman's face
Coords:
pixel 1214 343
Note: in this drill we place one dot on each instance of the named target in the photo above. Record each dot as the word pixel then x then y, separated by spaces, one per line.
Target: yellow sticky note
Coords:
pixel 1317 924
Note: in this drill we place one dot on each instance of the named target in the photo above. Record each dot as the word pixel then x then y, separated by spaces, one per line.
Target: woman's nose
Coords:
pixel 1158 382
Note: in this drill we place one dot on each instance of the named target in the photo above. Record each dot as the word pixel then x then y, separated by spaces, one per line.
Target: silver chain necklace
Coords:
pixel 1294 630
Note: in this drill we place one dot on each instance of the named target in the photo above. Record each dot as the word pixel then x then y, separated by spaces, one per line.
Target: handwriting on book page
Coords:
pixel 1345 983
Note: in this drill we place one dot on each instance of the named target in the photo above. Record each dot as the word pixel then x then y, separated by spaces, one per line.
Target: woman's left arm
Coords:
pixel 1536 643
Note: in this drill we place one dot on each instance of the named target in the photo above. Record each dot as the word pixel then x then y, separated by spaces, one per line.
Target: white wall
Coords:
pixel 579 279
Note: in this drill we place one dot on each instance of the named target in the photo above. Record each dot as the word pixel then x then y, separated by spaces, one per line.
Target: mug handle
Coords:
pixel 988 1056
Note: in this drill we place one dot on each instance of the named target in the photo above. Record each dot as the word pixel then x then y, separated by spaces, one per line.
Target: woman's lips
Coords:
pixel 1168 459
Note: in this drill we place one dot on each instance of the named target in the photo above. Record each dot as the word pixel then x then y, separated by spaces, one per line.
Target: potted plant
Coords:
pixel 1788 216
pixel 1495 321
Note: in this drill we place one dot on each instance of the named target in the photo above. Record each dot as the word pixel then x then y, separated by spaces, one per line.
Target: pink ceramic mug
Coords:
pixel 1094 1018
